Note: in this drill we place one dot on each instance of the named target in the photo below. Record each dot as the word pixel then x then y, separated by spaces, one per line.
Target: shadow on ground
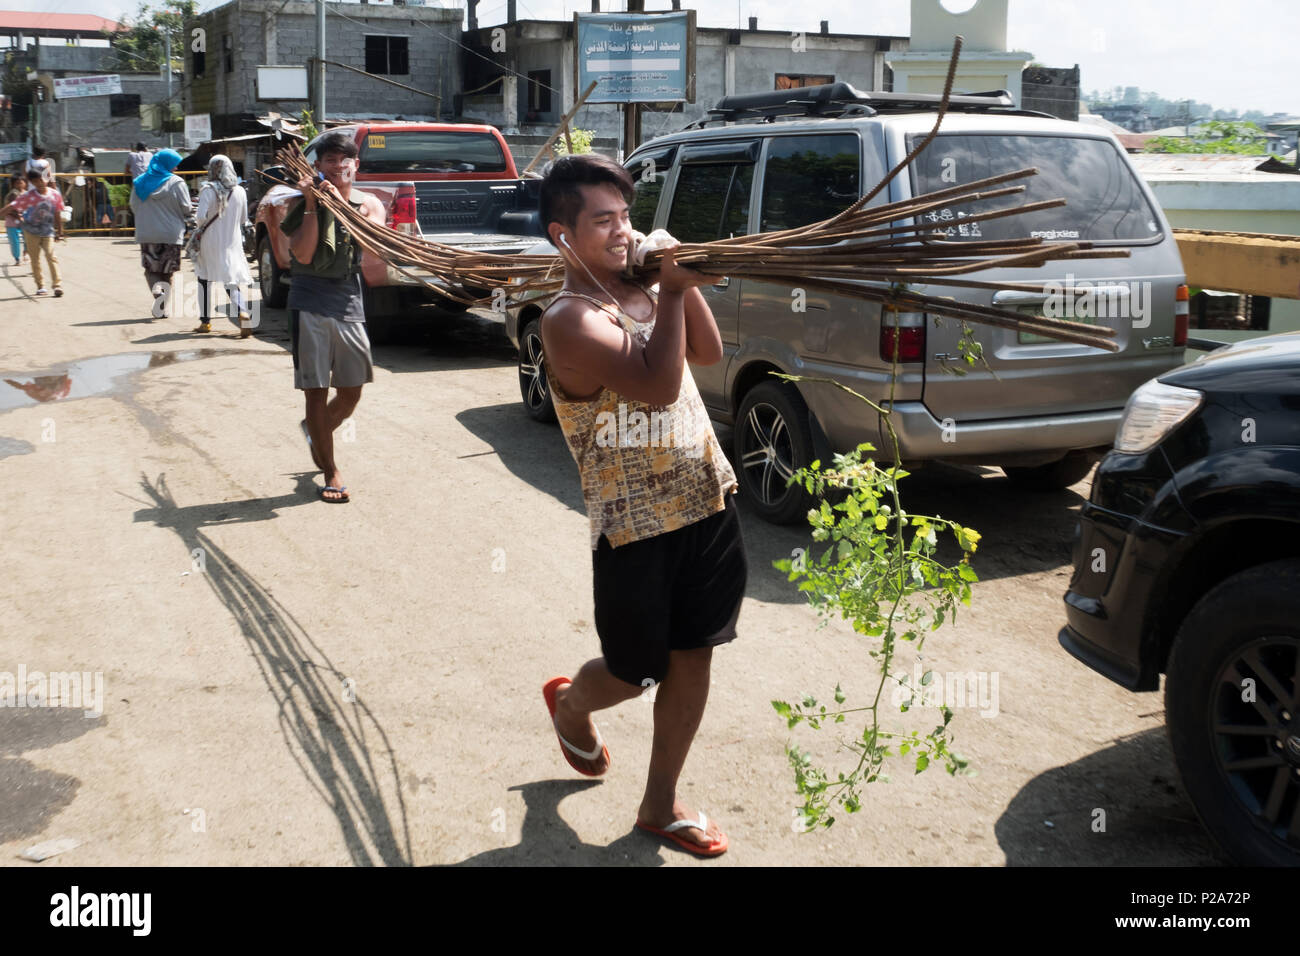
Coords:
pixel 1022 532
pixel 547 840
pixel 431 340
pixel 334 737
pixel 1148 818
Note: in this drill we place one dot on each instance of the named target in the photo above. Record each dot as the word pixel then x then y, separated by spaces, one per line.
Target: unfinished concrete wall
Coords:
pixel 263 33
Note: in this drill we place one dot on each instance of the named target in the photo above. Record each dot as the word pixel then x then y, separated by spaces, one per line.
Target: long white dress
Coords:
pixel 221 248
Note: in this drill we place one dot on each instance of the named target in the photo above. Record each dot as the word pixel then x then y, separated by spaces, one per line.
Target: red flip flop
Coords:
pixel 566 748
pixel 717 848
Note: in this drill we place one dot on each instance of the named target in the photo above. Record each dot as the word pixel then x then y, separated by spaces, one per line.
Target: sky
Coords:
pixel 1231 55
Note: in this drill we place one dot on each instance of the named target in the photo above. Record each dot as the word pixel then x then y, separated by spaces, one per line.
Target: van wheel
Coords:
pixel 532 375
pixel 773 440
pixel 1054 476
pixel 275 294
pixel 1232 705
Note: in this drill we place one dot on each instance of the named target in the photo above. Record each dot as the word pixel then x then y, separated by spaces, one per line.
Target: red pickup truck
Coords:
pixel 453 182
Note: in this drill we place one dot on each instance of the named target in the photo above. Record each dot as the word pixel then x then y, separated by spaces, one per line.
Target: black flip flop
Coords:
pixel 336 501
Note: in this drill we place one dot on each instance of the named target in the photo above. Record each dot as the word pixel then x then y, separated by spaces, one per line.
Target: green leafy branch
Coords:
pixel 879 571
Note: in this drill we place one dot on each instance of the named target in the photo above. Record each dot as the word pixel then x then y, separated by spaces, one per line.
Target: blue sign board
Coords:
pixel 13 152
pixel 633 57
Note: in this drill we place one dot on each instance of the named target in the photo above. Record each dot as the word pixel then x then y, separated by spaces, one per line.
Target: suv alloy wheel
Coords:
pixel 532 375
pixel 773 440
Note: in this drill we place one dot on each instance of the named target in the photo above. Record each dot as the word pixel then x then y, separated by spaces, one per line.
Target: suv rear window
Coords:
pixel 807 179
pixel 431 151
pixel 1104 202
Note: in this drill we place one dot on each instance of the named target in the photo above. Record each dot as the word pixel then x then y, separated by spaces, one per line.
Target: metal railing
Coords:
pixel 89 206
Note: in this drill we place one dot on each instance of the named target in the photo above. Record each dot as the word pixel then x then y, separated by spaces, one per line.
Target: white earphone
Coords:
pixel 564 241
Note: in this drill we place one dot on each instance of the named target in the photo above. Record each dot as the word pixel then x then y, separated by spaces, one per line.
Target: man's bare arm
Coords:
pixel 585 348
pixel 703 343
pixel 374 209
pixel 587 351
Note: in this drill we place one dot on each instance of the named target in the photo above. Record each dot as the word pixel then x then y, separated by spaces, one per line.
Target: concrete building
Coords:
pixel 538 84
pixel 1052 90
pixel 18 27
pixel 1132 117
pixel 986 63
pixel 1226 193
pixel 62 45
pixel 416 46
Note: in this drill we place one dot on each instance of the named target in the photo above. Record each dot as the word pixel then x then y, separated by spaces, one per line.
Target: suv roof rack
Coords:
pixel 844 100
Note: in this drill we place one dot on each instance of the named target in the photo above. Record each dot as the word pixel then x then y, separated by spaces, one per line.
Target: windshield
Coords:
pixel 431 151
pixel 1104 202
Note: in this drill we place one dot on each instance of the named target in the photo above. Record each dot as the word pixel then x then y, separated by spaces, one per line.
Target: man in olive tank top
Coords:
pixel 668 562
pixel 327 321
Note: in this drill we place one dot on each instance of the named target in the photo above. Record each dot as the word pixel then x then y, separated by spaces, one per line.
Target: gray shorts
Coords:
pixel 325 348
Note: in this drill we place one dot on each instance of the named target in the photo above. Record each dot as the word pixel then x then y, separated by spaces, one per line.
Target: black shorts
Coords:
pixel 677 591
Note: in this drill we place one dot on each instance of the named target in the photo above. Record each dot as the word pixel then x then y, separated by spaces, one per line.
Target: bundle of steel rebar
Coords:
pixel 861 252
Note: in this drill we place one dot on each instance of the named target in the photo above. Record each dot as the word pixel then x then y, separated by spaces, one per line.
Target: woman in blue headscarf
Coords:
pixel 161 203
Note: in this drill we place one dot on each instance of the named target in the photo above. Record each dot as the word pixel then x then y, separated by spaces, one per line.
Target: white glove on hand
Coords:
pixel 642 244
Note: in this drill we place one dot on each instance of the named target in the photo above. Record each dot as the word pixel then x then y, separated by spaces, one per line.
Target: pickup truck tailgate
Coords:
pixel 464 205
pixel 478 242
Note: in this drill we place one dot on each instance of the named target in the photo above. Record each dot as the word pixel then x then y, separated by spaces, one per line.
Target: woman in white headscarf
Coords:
pixel 217 246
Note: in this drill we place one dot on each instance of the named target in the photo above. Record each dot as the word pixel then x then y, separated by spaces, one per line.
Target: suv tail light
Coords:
pixel 904 333
pixel 1180 316
pixel 402 212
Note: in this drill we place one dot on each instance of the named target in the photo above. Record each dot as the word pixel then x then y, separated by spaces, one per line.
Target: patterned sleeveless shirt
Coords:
pixel 645 469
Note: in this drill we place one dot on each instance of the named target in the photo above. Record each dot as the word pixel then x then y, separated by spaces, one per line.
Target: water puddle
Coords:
pixel 15 446
pixel 86 378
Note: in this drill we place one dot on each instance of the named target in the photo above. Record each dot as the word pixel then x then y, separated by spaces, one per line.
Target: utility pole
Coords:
pixel 167 67
pixel 632 111
pixel 318 107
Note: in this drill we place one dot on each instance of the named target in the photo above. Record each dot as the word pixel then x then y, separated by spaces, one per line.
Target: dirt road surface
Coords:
pixel 291 682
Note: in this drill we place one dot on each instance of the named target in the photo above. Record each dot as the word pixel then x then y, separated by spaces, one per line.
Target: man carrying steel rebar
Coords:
pixel 668 562
pixel 327 320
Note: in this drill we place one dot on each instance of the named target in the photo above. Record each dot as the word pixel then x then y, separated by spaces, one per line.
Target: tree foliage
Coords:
pixel 581 141
pixel 1216 136
pixel 140 48
pixel 15 83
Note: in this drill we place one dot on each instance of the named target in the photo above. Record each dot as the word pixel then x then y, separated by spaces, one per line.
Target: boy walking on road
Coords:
pixel 668 562
pixel 326 318
pixel 40 209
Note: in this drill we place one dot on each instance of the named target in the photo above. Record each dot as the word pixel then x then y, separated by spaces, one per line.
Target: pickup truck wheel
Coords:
pixel 773 440
pixel 275 294
pixel 1055 476
pixel 532 375
pixel 382 309
pixel 1232 705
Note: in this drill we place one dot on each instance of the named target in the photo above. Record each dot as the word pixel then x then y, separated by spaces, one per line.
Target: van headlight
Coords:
pixel 1152 412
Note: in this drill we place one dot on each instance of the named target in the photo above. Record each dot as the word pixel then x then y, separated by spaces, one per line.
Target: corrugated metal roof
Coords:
pixel 66 22
pixel 1211 163
pixel 266 135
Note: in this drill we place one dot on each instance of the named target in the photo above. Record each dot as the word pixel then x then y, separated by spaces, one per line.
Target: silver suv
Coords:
pixel 1041 410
